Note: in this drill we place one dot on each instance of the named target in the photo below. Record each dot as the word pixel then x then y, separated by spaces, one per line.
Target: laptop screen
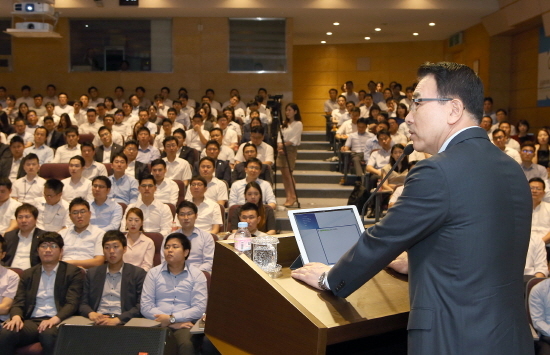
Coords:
pixel 324 235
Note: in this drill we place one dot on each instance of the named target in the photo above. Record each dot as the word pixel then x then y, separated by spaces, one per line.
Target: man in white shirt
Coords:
pixel 510 142
pixel 30 186
pixel 224 152
pixel 209 218
pixel 355 143
pixel 230 137
pixel 25 96
pixel 186 108
pixel 83 240
pixel 215 104
pixel 379 158
pixel 250 214
pixel 536 262
pixel 140 93
pixel 51 95
pixel 157 215
pixel 348 126
pixel 167 191
pixel 264 150
pixel 9 280
pixel 94 96
pixel 38 107
pixel 176 167
pixel 499 139
pixel 63 107
pixel 85 99
pixel 217 189
pixel 120 126
pixel 182 118
pixel 44 153
pixel 252 168
pixel 21 131
pixel 366 106
pixel 115 137
pixel 76 185
pixel 197 136
pixel 77 115
pixel 32 122
pixel 119 97
pixel 53 211
pixel 165 92
pixel 340 114
pixel 21 243
pixel 396 137
pixel 7 207
pixel 144 117
pixel 106 213
pixel 350 95
pixel 64 153
pixel 91 167
pixel 146 152
pixel 124 187
pixel 486 123
pixel 331 104
pixel 107 147
pixel 92 126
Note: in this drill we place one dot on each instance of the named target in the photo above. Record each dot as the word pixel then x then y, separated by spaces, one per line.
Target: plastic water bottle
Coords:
pixel 243 239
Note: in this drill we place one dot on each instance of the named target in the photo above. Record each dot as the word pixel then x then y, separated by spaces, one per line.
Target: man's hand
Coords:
pixel 108 321
pixel 15 324
pixel 46 324
pixel 163 319
pixel 196 128
pixel 181 325
pixel 95 317
pixel 310 273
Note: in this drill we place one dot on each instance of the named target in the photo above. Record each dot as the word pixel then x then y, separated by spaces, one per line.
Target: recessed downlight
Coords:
pixel 367 38
pixel 329 33
pixel 378 29
pixel 415 34
pixel 432 23
pixel 323 42
pixel 336 23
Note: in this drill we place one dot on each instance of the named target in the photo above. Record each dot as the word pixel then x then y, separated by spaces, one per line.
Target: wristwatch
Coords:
pixel 321 282
pixel 172 319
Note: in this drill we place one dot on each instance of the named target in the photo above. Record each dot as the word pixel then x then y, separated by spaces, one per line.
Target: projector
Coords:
pixel 36 26
pixel 38 8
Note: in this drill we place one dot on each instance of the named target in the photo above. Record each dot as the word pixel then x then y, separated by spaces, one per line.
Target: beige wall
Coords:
pixel 200 62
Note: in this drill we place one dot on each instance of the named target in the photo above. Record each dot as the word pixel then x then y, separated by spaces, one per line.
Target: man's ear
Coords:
pixel 456 111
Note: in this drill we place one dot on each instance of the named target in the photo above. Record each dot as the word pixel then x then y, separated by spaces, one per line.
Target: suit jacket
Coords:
pixel 141 169
pixel 465 218
pixel 67 291
pixel 239 173
pixel 5 151
pixel 12 241
pixel 58 139
pixel 223 170
pixel 130 290
pixel 189 154
pixel 115 149
pixel 5 167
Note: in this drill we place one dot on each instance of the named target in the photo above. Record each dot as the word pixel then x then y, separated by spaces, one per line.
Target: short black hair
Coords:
pixel 120 155
pixel 158 161
pixel 50 237
pixel 114 235
pixel 537 179
pixel 55 185
pixel 105 179
pixel 28 208
pixel 257 129
pixel 185 243
pixel 168 139
pixel 382 132
pixel 131 142
pixel 79 201
pixel 79 158
pixel 6 182
pixel 147 177
pixel 188 204
pixel 246 145
pixel 209 159
pixel 17 139
pixel 86 144
pixel 180 131
pixel 30 156
pixel 212 142
pixel 249 206
pixel 253 160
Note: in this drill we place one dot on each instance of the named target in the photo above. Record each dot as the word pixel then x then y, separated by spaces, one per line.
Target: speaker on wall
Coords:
pixel 86 340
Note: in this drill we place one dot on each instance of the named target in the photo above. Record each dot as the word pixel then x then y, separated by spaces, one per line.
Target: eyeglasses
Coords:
pixel 536 188
pixel 96 186
pixel 498 137
pixel 52 246
pixel 527 151
pixel 76 213
pixel 253 167
pixel 197 185
pixel 415 102
pixel 145 186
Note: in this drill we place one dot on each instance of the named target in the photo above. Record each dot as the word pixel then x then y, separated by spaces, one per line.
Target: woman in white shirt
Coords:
pixel 286 160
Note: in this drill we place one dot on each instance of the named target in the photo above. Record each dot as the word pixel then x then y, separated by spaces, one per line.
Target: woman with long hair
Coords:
pixel 64 122
pixel 523 132
pixel 401 112
pixel 22 111
pixel 397 177
pixel 291 130
pixel 109 105
pixel 541 148
pixel 254 122
pixel 253 194
pixel 5 128
pixel 141 249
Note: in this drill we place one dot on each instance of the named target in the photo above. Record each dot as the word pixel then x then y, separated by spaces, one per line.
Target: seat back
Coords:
pixel 182 191
pixel 109 168
pixel 157 239
pixel 172 209
pixel 124 206
pixel 224 222
pixel 232 212
pixel 58 171
pixel 88 137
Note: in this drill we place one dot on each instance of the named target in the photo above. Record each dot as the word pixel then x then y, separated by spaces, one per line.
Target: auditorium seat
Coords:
pixel 109 168
pixel 124 206
pixel 182 190
pixel 231 212
pixel 31 349
pixel 86 138
pixel 224 222
pixel 58 171
pixel 157 239
pixel 172 209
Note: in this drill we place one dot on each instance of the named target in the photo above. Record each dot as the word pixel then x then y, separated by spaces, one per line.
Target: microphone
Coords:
pixel 407 151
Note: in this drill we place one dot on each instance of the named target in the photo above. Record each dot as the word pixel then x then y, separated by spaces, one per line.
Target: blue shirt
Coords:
pixel 107 216
pixel 44 153
pixel 45 301
pixel 147 155
pixel 202 249
pixel 124 190
pixel 539 307
pixel 372 144
pixel 183 296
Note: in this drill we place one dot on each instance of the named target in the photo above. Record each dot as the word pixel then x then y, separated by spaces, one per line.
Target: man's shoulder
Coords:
pixel 96 270
pixel 133 270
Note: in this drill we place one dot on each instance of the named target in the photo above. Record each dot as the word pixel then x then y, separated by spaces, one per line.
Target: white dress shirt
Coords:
pixel 64 153
pixel 52 218
pixel 82 246
pixel 216 190
pixel 157 217
pixel 167 192
pixel 21 259
pixel 236 197
pixel 7 213
pixel 179 169
pixel 24 190
pixel 82 188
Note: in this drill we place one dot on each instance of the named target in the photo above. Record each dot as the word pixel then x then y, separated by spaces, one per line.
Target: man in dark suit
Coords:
pixel 106 138
pixel 223 170
pixel 124 280
pixel 47 294
pixel 187 153
pixel 13 156
pixel 131 151
pixel 54 139
pixel 250 151
pixel 25 255
pixel 467 240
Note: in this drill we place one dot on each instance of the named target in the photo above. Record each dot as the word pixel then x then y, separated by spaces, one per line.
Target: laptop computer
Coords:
pixel 325 234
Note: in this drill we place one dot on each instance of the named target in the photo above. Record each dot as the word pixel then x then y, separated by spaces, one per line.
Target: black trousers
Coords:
pixel 10 340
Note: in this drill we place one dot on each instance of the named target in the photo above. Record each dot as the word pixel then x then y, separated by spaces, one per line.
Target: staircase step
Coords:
pixel 314 177
pixel 326 191
pixel 315 165
pixel 314 145
pixel 315 154
pixel 313 136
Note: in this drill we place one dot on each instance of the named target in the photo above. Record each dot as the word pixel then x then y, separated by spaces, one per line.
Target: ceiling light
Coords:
pixel 329 33
pixel 432 23
pixel 377 29
pixel 336 23
pixel 367 38
pixel 323 41
pixel 415 34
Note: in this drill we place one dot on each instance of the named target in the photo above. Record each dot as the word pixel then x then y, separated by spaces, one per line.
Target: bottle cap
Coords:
pixel 242 225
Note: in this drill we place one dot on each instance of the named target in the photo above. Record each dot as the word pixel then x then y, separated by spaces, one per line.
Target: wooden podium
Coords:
pixel 251 313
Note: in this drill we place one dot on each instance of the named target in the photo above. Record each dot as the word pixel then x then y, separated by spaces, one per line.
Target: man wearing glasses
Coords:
pixel 157 215
pixel 466 239
pixel 252 169
pixel 48 293
pixel 106 213
pixel 499 139
pixel 83 240
pixel 530 169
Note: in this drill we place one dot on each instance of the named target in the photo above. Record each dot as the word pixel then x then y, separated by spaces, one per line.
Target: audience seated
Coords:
pixel 91 168
pixel 209 216
pixel 53 211
pixel 124 187
pixel 223 168
pixel 146 152
pixel 112 291
pixel 64 153
pixel 158 217
pixel 30 186
pixel 82 240
pixel 106 213
pixel 140 249
pixel 197 136
pixel 264 150
pixel 379 158
pixel 176 167
pixel 135 169
pixel 355 142
pixel 107 147
pixel 175 292
pixel 253 194
pixel 252 169
pixel 187 153
pixel 9 280
pixel 227 136
pixel 8 206
pixel 531 169
pixel 11 164
pixel 250 214
pixel 224 152
pixel 167 191
pixel 250 151
pixel 499 139
pixel 216 189
pixel 45 154
pixel 21 243
pixel 76 185
pixel 37 310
